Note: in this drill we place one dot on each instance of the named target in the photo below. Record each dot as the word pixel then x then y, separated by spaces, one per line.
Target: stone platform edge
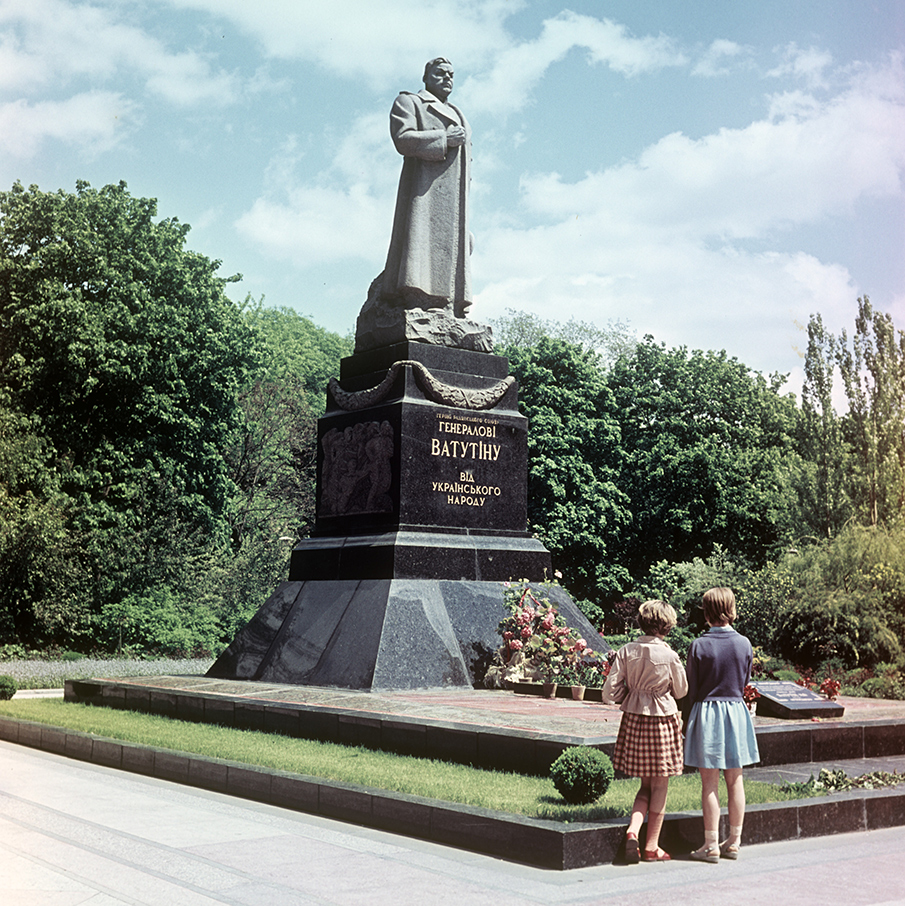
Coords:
pixel 537 842
pixel 498 748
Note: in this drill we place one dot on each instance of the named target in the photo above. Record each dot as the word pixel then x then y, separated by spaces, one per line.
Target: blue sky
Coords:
pixel 711 173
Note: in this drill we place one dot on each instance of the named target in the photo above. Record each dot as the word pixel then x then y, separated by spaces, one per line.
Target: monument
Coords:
pixel 422 462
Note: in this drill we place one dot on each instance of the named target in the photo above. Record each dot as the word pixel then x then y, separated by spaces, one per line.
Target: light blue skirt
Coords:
pixel 720 735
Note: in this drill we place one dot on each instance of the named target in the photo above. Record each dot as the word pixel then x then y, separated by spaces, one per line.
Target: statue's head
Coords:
pixel 438 77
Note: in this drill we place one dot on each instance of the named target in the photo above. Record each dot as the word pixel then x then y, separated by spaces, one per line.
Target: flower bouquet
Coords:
pixel 537 644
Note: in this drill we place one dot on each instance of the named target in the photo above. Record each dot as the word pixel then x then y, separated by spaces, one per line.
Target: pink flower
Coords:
pixel 515 645
pixel 526 632
pixel 507 636
pixel 547 621
pixel 580 645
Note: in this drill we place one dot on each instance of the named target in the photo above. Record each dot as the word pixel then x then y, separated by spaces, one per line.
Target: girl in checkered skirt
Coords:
pixel 646 678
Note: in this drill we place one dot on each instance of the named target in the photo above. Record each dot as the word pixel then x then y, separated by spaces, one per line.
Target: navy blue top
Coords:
pixel 718 666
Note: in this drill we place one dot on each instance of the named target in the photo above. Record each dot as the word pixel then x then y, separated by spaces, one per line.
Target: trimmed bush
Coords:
pixel 8 687
pixel 582 774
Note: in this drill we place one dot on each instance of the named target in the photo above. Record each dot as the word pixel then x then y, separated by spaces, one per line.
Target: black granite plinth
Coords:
pixel 408 461
pixel 791 701
pixel 421 555
pixel 422 477
pixel 376 634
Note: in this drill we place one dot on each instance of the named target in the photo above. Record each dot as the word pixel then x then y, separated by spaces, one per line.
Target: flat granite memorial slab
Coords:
pixel 791 701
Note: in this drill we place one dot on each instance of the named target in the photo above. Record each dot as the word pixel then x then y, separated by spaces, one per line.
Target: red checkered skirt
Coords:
pixel 649 745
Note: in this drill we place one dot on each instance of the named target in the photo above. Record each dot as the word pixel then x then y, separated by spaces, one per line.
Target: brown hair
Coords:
pixel 656 618
pixel 719 606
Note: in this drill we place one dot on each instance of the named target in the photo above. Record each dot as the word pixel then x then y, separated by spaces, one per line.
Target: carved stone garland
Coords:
pixel 434 389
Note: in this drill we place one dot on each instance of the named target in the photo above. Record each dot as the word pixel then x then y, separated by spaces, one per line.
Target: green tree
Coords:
pixel 35 547
pixel 574 505
pixel 822 482
pixel 272 463
pixel 873 373
pixel 122 349
pixel 297 351
pixel 705 456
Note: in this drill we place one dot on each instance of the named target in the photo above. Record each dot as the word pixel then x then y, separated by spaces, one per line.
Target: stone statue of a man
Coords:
pixel 424 292
pixel 428 262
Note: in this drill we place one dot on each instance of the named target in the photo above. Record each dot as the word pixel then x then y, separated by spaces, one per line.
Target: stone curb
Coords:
pixel 543 844
pixel 497 748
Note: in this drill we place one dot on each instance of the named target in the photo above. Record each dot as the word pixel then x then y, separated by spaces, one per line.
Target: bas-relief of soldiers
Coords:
pixel 357 473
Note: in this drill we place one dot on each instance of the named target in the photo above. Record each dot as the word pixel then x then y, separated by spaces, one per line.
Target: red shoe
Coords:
pixel 631 849
pixel 655 855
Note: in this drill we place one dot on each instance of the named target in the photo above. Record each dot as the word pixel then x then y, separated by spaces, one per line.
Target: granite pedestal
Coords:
pixel 421 517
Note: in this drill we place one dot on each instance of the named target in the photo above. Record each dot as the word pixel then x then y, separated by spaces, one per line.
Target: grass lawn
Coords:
pixel 520 794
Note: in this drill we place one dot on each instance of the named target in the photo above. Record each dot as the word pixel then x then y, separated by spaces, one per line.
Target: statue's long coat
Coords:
pixel 428 261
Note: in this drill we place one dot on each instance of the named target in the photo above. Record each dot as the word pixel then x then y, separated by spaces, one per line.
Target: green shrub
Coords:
pixel 582 775
pixel 819 625
pixel 788 676
pixel 763 594
pixel 12 651
pixel 160 620
pixel 889 686
pixel 8 687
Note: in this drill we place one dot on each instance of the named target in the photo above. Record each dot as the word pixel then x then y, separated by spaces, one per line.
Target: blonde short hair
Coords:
pixel 656 618
pixel 719 606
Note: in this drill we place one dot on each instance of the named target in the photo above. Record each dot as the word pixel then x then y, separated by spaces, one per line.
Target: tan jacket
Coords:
pixel 646 678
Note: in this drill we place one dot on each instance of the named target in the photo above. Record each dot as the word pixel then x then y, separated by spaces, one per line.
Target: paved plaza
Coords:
pixel 75 833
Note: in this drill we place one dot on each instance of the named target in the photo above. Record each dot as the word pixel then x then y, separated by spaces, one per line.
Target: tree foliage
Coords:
pixel 873 373
pixel 297 351
pixel 573 445
pixel 822 482
pixel 121 359
pixel 121 344
pixel 846 599
pixel 706 445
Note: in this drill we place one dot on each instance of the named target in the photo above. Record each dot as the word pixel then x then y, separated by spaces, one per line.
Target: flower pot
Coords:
pixel 578 693
pixel 549 690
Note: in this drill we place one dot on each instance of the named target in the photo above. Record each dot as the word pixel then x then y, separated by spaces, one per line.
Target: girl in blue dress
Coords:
pixel 719 735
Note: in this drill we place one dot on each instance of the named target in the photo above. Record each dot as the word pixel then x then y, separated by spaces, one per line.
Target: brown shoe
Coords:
pixel 632 853
pixel 655 855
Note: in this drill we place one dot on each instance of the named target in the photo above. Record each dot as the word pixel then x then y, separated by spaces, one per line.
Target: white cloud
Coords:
pixel 693 240
pixel 314 225
pixel 363 40
pixel 808 65
pixel 95 120
pixel 49 43
pixel 344 212
pixel 713 62
pixel 518 68
pixel 808 160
